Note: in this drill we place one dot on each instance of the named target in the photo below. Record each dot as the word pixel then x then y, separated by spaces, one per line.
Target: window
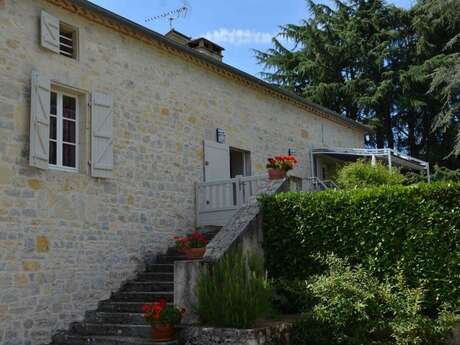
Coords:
pixel 67 41
pixel 59 37
pixel 63 131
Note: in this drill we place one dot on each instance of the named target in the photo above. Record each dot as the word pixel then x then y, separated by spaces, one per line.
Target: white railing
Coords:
pixel 217 201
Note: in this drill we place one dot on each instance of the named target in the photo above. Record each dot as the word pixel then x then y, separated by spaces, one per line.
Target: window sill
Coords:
pixel 63 169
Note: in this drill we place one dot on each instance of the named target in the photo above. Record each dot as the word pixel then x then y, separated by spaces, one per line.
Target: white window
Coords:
pixel 63 131
pixel 61 135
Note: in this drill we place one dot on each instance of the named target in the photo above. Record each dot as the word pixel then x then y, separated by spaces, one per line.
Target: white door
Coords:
pixel 216 161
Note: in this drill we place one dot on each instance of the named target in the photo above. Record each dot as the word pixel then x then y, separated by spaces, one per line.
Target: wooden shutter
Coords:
pixel 101 135
pixel 50 32
pixel 216 161
pixel 39 121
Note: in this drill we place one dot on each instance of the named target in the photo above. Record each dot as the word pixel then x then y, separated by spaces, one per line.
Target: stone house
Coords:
pixel 105 127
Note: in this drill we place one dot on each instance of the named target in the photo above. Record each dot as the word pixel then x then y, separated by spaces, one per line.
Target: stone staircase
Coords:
pixel 119 320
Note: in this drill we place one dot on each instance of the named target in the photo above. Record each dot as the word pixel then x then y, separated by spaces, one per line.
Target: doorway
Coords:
pixel 240 163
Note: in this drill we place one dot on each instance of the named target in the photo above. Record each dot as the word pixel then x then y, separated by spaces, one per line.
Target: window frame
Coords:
pixel 59 131
pixel 64 27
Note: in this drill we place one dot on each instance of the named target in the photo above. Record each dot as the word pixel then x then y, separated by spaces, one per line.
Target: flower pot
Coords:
pixel 162 331
pixel 275 174
pixel 194 253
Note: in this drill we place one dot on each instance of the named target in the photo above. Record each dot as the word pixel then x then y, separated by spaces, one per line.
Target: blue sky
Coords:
pixel 238 25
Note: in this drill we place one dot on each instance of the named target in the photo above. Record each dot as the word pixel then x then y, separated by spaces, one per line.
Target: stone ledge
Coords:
pixel 272 333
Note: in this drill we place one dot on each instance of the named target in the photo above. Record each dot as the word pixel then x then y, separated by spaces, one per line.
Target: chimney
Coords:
pixel 178 37
pixel 207 47
pixel 201 44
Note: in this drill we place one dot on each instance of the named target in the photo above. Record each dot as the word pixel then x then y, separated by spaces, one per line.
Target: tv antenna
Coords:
pixel 172 15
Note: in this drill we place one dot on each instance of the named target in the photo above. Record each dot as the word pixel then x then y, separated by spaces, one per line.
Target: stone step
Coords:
pixel 169 259
pixel 135 286
pixel 146 297
pixel 115 317
pixel 160 268
pixel 111 329
pixel 152 276
pixel 120 307
pixel 75 339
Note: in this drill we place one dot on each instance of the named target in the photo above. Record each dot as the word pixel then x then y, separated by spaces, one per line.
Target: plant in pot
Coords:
pixel 163 318
pixel 278 166
pixel 193 245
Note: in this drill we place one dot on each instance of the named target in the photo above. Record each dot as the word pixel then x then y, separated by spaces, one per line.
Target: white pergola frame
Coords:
pixel 390 155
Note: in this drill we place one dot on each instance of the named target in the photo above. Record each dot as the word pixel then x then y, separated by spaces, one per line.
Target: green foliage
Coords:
pixel 359 309
pixel 234 292
pixel 438 174
pixel 290 296
pixel 311 331
pixel 412 229
pixel 391 67
pixel 363 174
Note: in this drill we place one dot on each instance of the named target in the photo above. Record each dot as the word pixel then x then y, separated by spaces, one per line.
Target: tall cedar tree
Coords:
pixel 375 63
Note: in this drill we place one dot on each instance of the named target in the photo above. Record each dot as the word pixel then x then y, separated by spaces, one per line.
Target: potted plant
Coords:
pixel 193 245
pixel 278 166
pixel 163 318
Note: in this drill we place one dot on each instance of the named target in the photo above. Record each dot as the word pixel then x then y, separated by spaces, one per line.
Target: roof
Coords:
pixel 397 157
pixel 325 112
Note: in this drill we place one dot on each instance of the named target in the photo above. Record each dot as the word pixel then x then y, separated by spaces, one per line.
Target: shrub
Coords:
pixel 311 331
pixel 438 174
pixel 413 229
pixel 363 174
pixel 234 292
pixel 359 309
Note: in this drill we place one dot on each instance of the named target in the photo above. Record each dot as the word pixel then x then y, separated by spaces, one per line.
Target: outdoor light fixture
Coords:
pixel 220 135
pixel 367 139
pixel 291 152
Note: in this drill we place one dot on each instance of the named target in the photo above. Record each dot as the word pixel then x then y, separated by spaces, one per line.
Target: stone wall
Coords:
pixel 275 334
pixel 67 239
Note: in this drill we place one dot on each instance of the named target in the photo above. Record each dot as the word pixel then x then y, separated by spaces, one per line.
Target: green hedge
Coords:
pixel 414 229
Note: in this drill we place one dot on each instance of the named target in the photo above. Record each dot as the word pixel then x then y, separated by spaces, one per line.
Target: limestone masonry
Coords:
pixel 67 239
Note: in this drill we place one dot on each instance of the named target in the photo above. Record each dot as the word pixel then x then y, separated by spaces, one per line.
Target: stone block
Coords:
pixel 31 265
pixel 42 244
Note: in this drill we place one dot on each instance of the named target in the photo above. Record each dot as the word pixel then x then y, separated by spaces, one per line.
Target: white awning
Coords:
pixel 391 156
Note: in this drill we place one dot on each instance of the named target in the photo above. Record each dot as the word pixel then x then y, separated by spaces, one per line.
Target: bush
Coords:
pixel 363 174
pixel 438 174
pixel 234 292
pixel 310 331
pixel 413 229
pixel 355 308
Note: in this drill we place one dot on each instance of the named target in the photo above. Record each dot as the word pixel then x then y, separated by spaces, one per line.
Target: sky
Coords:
pixel 240 26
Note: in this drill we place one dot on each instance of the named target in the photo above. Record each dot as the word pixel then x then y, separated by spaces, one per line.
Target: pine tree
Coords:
pixel 375 63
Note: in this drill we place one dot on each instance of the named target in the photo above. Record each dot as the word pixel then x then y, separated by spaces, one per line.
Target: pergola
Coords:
pixel 391 156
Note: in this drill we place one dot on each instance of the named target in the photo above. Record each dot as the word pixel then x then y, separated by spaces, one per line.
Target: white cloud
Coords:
pixel 239 36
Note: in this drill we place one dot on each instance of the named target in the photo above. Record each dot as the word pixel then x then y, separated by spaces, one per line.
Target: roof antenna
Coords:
pixel 172 15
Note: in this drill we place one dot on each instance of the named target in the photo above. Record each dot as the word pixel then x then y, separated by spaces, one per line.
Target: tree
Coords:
pixel 446 77
pixel 375 63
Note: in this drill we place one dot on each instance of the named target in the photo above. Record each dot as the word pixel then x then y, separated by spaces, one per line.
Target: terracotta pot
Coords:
pixel 275 174
pixel 162 331
pixel 194 253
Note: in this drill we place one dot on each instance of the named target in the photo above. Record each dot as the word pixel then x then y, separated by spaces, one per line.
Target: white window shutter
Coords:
pixel 39 121
pixel 101 135
pixel 50 32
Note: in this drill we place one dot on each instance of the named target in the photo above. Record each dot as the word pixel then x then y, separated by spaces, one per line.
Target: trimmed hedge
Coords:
pixel 413 229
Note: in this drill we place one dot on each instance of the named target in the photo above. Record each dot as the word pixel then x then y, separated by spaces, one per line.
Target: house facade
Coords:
pixel 105 127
